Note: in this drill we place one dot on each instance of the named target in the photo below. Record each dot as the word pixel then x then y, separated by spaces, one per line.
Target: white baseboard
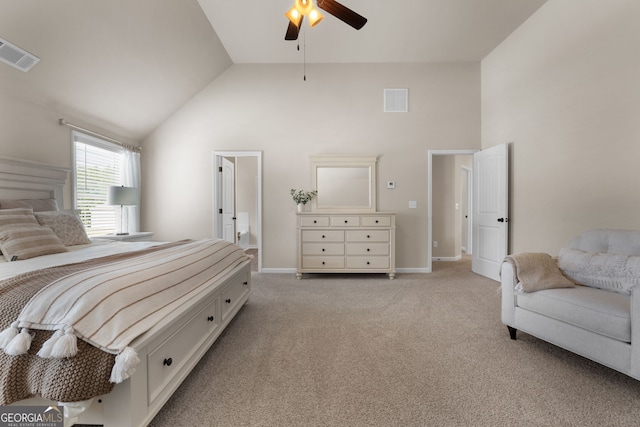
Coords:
pixel 293 270
pixel 444 258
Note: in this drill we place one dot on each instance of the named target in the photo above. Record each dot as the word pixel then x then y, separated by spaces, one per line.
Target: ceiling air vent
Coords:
pixel 16 57
pixel 396 100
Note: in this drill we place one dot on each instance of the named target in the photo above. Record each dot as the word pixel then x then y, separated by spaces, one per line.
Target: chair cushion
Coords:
pixel 598 311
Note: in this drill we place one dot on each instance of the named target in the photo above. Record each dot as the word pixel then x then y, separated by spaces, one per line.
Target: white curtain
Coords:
pixel 131 178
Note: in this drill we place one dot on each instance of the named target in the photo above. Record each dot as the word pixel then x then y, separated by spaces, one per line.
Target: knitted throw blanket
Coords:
pixel 109 305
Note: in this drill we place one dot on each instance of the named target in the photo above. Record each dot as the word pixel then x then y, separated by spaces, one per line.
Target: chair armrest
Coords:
pixel 635 331
pixel 507 287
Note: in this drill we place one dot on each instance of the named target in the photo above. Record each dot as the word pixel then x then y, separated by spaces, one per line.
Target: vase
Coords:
pixel 301 207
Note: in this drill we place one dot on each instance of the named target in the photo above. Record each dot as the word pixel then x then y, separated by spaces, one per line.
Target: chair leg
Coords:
pixel 512 332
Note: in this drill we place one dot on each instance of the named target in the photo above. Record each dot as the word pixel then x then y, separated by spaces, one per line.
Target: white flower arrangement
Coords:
pixel 302 197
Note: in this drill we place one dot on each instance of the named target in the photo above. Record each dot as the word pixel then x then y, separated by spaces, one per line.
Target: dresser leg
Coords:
pixel 392 276
pixel 299 276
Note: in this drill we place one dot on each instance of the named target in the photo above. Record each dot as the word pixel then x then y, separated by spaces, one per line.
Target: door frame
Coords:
pixel 217 195
pixel 430 154
pixel 468 172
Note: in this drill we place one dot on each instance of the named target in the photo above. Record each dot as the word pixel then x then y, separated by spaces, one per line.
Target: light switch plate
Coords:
pixel 413 204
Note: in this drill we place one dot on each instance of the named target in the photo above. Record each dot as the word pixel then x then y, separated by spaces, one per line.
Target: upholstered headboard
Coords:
pixel 23 179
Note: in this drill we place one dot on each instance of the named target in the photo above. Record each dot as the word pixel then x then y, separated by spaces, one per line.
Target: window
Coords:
pixel 98 164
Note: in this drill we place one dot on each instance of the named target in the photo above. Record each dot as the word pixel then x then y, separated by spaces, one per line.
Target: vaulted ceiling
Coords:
pixel 128 65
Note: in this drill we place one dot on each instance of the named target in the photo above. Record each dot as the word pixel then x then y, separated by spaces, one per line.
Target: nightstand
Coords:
pixel 131 237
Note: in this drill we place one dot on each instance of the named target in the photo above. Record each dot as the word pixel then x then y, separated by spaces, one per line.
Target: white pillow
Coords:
pixel 612 272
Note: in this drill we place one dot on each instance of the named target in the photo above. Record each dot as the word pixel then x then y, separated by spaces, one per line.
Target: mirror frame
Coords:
pixel 344 161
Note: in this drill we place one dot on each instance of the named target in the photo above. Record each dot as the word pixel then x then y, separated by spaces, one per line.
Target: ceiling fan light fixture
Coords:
pixel 315 17
pixel 294 16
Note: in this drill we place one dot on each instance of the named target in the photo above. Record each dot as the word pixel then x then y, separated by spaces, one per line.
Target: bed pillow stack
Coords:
pixel 66 225
pixel 22 237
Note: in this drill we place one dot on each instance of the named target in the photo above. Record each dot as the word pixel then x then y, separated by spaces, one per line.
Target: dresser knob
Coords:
pixel 368 237
pixel 322 262
pixel 368 250
pixel 228 301
pixel 167 362
pixel 322 249
pixel 315 222
pixel 323 236
pixel 210 318
pixel 346 221
pixel 377 221
pixel 368 263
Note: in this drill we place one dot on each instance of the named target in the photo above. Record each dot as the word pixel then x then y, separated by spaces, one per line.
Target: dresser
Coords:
pixel 346 243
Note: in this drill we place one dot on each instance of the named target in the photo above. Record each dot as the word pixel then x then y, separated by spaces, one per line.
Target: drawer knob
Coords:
pixel 323 236
pixel 167 362
pixel 322 249
pixel 315 222
pixel 368 237
pixel 322 262
pixel 210 318
pixel 346 221
pixel 368 250
pixel 228 300
pixel 368 263
pixel 377 221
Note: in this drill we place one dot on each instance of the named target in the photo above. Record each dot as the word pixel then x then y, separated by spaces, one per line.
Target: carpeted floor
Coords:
pixel 421 350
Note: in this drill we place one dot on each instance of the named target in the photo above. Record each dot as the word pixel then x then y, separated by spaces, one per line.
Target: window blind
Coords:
pixel 97 166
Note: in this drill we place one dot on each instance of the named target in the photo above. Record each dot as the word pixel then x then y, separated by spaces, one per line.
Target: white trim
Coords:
pixel 448 258
pixel 217 186
pixel 430 154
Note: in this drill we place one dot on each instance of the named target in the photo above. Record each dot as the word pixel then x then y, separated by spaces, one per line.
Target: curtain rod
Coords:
pixel 63 122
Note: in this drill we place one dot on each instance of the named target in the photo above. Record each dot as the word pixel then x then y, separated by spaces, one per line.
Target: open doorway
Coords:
pixel 237 200
pixel 449 205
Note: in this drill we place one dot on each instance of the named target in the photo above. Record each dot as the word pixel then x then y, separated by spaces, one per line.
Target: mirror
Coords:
pixel 345 183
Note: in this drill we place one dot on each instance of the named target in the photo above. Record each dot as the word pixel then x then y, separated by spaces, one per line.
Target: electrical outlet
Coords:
pixel 391 184
pixel 435 243
pixel 413 204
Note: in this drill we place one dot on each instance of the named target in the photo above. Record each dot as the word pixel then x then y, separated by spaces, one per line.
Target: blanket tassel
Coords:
pixel 66 345
pixel 47 347
pixel 19 344
pixel 8 334
pixel 124 366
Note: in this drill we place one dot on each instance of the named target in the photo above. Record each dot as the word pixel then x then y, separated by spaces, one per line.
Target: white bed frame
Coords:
pixel 169 351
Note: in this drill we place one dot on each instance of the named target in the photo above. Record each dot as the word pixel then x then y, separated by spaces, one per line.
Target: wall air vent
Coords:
pixel 396 100
pixel 16 57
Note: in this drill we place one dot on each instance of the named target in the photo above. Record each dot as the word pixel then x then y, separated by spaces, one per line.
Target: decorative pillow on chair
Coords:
pixel 66 225
pixel 14 217
pixel 23 242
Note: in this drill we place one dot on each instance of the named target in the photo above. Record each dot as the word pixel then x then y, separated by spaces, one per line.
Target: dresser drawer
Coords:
pixel 368 236
pixel 314 221
pixel 176 349
pixel 367 249
pixel 364 262
pixel 322 262
pixel 345 221
pixel 322 236
pixel 375 221
pixel 323 249
pixel 232 296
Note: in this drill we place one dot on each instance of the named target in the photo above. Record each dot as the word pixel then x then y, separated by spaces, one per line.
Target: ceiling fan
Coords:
pixel 302 8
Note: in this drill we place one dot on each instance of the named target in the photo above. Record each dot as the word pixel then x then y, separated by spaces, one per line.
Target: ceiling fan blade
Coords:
pixel 343 13
pixel 293 30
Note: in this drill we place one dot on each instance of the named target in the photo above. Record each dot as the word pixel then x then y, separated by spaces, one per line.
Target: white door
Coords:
pixel 228 201
pixel 490 210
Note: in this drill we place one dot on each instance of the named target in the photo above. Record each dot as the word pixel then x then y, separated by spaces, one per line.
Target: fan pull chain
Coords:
pixel 304 56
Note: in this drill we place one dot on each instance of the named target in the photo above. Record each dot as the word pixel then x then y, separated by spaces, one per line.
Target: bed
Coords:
pixel 106 329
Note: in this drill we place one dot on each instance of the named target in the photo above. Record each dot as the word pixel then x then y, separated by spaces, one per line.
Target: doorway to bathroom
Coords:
pixel 237 200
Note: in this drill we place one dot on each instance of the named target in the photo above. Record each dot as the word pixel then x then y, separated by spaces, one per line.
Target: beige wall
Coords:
pixel 337 110
pixel 564 89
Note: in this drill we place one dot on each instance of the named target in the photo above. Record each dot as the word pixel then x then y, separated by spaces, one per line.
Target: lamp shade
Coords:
pixel 123 196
